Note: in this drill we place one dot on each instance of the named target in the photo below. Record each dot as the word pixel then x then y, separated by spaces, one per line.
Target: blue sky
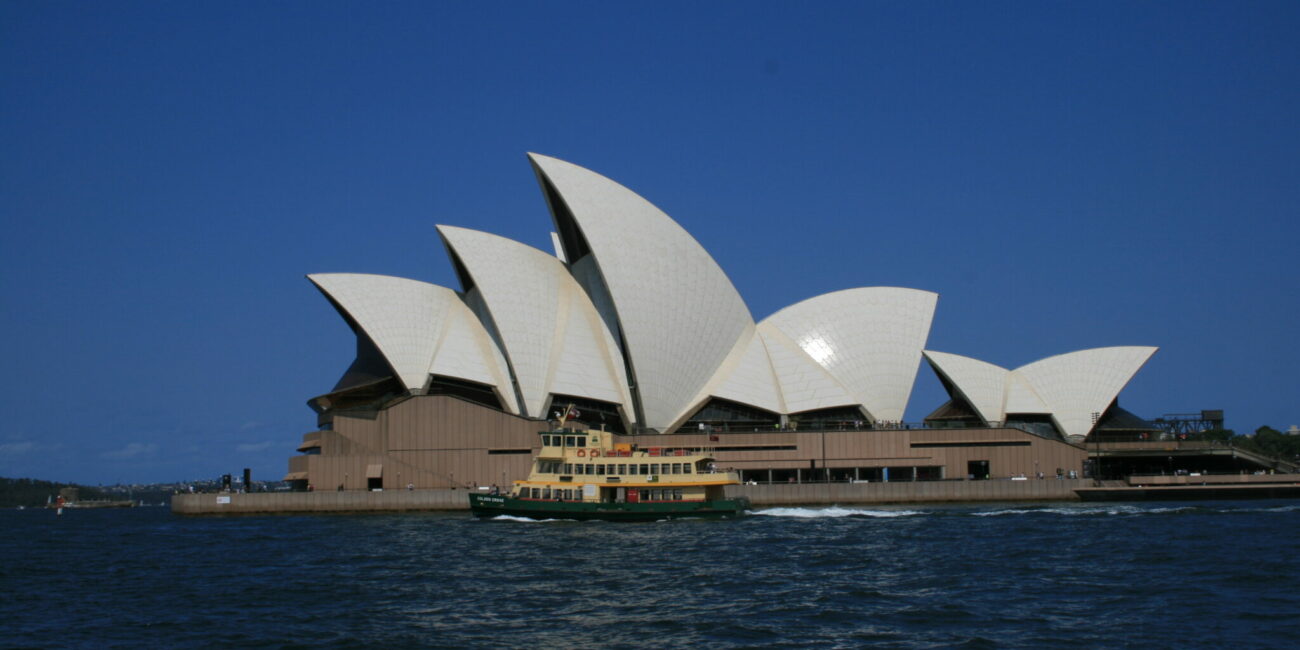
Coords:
pixel 1064 175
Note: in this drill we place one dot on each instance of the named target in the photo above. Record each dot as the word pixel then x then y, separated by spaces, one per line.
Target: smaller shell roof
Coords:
pixel 747 376
pixel 1071 387
pixel 804 384
pixel 420 328
pixel 869 339
pixel 982 384
pixel 554 339
pixel 1078 384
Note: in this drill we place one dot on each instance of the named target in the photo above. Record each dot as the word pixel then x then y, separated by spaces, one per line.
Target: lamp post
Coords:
pixel 1096 462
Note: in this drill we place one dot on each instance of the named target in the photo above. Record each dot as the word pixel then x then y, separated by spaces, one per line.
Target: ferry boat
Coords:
pixel 585 475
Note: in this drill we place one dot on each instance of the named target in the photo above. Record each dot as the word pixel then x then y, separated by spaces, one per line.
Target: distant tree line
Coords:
pixel 1267 441
pixel 31 492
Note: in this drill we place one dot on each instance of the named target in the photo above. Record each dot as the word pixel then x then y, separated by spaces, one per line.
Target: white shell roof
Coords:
pixel 868 339
pixel 680 315
pixel 1021 398
pixel 1078 384
pixel 555 340
pixel 1070 387
pixel 984 385
pixel 804 385
pixel 653 293
pixel 420 328
pixel 746 377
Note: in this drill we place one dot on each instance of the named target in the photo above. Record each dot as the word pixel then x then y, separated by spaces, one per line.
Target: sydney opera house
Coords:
pixel 630 326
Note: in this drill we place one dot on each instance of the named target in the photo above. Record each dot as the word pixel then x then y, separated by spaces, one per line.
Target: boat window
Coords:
pixel 654 468
pixel 568 468
pixel 645 469
pixel 569 441
pixel 677 495
pixel 600 469
pixel 622 468
pixel 686 468
pixel 582 441
pixel 677 468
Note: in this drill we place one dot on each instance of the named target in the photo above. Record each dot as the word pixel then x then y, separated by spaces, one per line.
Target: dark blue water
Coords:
pixel 1210 574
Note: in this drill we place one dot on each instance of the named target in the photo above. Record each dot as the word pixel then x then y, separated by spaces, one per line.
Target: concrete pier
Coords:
pixel 355 501
pixel 348 501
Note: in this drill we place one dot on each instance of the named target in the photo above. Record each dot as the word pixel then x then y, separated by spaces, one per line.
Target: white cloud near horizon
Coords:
pixel 254 446
pixel 133 450
pixel 16 448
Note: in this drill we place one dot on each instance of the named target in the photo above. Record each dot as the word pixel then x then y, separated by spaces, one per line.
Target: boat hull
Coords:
pixel 484 505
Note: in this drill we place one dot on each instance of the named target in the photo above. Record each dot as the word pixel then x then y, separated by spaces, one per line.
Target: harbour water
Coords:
pixel 998 575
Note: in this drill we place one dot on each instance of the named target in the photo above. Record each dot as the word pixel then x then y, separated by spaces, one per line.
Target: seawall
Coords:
pixel 919 492
pixel 354 501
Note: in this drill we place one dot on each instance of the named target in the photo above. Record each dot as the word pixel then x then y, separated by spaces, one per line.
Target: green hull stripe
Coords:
pixel 493 506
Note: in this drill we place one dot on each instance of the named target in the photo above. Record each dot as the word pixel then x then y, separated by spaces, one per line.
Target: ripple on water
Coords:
pixel 1010 575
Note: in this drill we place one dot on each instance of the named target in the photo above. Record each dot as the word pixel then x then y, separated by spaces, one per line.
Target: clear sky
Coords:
pixel 1065 175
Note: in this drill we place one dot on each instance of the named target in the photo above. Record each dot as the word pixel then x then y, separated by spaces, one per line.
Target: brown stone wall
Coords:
pixel 890 448
pixel 425 441
pixel 443 442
